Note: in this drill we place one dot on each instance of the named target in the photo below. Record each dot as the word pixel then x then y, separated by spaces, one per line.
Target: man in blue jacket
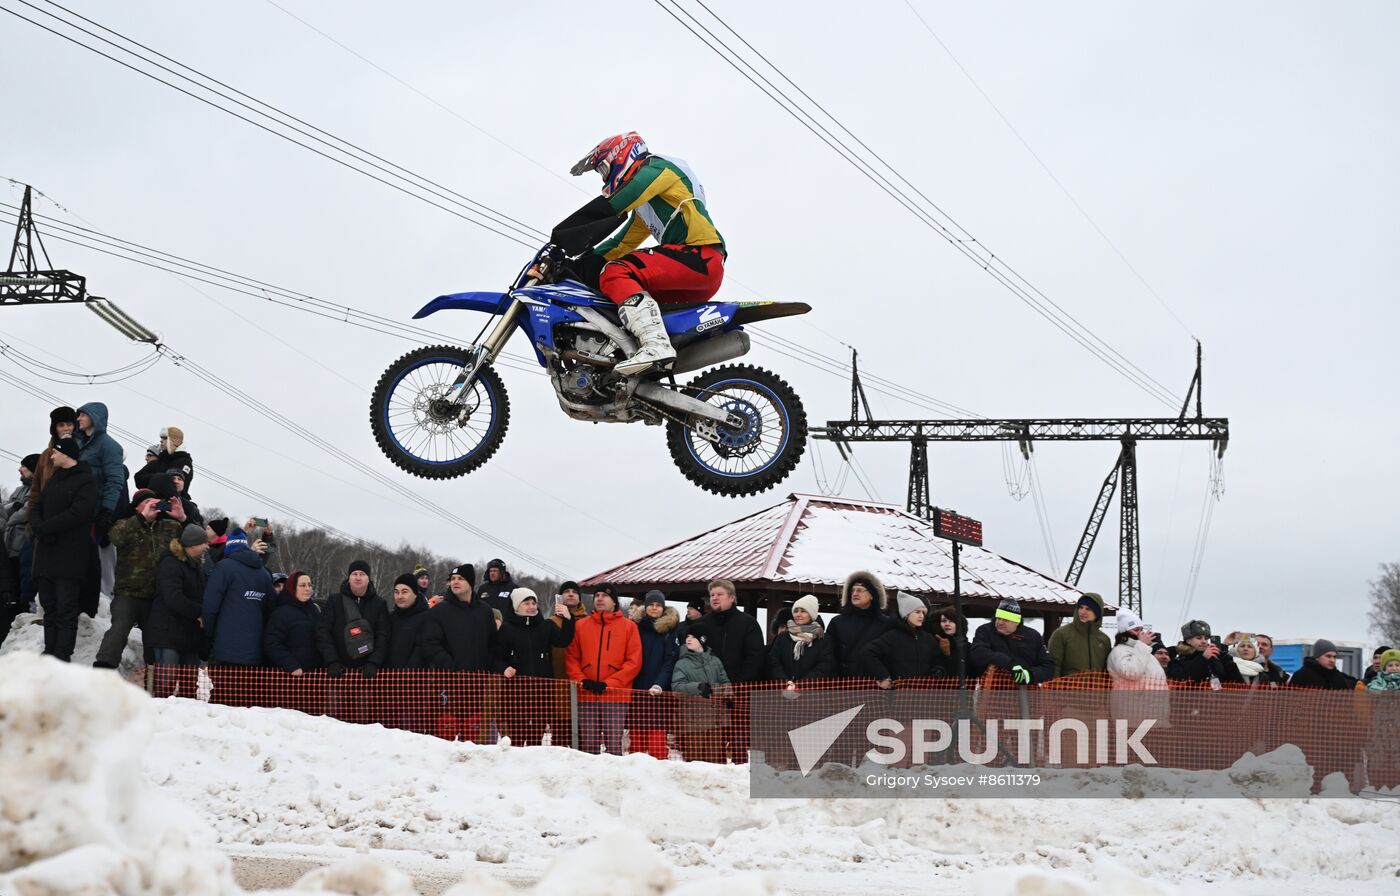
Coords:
pixel 103 456
pixel 237 600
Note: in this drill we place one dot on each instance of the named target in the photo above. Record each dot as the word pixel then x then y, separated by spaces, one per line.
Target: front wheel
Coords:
pixel 753 458
pixel 421 431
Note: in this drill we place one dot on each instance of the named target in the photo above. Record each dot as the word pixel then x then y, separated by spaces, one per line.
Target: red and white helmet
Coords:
pixel 616 159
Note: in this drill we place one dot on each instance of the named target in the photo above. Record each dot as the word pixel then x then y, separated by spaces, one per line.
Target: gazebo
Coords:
pixel 809 544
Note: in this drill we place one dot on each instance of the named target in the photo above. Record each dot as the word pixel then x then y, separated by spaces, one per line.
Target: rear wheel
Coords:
pixel 756 456
pixel 421 431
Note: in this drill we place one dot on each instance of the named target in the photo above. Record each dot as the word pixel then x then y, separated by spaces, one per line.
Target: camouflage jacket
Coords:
pixel 139 547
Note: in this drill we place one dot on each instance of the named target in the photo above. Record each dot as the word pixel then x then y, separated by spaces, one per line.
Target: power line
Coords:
pixel 467 209
pixel 528 230
pixel 937 220
pixel 212 475
pixel 436 102
pixel 1046 168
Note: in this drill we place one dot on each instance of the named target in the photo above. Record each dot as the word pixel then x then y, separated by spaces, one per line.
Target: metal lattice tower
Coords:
pixel 27 282
pixel 1127 431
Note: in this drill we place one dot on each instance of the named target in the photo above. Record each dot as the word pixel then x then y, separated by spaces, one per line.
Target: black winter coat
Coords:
pixel 62 523
pixel 459 636
pixel 237 601
pixel 1312 675
pixel 496 595
pixel 164 463
pixel 659 649
pixel 736 639
pixel 289 643
pixel 179 602
pixel 1189 664
pixel 1023 647
pixel 524 643
pixel 406 635
pixel 945 652
pixel 900 653
pixel 850 631
pixel 330 628
pixel 818 659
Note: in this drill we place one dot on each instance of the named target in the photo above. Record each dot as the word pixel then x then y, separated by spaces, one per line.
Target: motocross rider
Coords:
pixel 643 194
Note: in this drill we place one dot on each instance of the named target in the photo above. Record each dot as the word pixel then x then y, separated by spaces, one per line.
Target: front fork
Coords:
pixel 486 352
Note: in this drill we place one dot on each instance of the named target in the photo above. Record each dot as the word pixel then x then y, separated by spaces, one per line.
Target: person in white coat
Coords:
pixel 1139 681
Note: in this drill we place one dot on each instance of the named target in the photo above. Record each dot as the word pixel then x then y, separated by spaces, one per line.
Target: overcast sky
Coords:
pixel 1241 156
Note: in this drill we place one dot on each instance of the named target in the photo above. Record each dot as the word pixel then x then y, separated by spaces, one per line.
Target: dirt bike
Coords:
pixel 441 411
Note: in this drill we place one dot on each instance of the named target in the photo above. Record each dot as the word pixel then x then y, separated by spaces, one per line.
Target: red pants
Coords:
pixel 669 273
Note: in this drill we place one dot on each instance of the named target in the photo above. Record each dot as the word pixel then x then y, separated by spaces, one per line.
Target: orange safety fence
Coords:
pixel 1192 727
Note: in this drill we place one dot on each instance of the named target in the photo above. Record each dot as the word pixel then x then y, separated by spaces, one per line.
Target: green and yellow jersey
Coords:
pixel 662 199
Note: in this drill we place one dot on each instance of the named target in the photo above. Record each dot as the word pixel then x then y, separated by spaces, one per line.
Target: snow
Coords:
pixel 276 777
pixel 109 792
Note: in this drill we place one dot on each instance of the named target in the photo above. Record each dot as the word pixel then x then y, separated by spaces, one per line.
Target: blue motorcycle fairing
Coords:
pixel 490 302
pixel 548 306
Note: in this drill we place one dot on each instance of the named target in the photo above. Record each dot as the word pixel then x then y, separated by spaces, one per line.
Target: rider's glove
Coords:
pixel 1019 673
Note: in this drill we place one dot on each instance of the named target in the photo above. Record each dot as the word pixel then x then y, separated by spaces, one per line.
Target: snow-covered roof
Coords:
pixel 813 540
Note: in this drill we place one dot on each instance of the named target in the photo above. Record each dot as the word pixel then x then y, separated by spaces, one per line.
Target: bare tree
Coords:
pixel 1385 603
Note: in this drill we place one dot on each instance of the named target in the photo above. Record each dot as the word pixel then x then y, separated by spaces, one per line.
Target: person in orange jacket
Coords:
pixel 604 659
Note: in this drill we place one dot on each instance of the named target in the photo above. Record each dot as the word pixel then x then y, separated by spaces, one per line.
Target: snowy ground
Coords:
pixel 108 791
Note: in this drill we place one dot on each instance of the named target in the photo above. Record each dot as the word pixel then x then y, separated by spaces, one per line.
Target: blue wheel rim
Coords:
pixel 782 421
pixel 414 449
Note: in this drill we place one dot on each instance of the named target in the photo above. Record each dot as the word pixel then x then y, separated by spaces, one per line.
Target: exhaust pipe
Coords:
pixel 710 351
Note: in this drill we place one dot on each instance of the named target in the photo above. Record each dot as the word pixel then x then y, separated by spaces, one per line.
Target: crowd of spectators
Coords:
pixel 204 592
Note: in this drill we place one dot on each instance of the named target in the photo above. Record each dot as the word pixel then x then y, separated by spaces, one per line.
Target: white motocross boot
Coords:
pixel 642 317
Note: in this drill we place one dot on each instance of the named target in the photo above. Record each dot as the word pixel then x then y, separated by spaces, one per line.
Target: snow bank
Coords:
pixel 264 776
pixel 79 818
pixel 76 813
pixel 27 636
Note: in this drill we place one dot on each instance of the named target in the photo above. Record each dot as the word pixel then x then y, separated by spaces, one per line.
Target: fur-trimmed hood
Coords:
pixel 666 622
pixel 881 599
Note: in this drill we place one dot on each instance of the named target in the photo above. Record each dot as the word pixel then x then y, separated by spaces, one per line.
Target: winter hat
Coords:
pixel 520 595
pixel 1009 609
pixel 606 588
pixel 698 635
pixel 466 571
pixel 278 578
pixel 178 471
pixel 220 526
pixel 1321 646
pixel 809 603
pixel 497 564
pixel 143 494
pixel 864 583
pixel 1087 600
pixel 68 447
pixel 654 597
pixel 409 580
pixel 419 570
pixel 1193 628
pixel 153 450
pixel 1242 640
pixel 237 541
pixel 175 435
pixel 193 536
pixel 358 566
pixel 1390 656
pixel 570 585
pixel 64 414
pixel 163 485
pixel 1128 620
pixel 696 603
pixel 908 603
pixel 30 462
